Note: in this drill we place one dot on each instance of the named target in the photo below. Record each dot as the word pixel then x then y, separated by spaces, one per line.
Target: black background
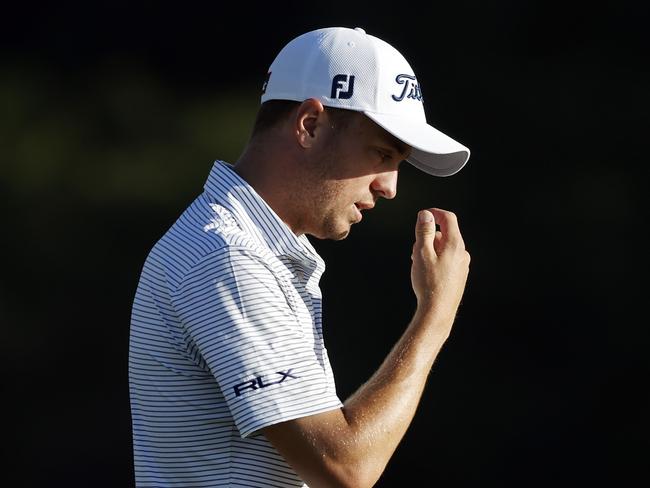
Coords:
pixel 112 116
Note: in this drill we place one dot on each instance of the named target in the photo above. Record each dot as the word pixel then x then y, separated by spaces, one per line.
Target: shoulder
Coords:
pixel 204 235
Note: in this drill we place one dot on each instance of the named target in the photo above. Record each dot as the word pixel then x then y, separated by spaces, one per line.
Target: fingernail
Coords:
pixel 425 216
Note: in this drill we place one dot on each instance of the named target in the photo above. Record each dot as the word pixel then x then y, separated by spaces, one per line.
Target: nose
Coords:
pixel 385 184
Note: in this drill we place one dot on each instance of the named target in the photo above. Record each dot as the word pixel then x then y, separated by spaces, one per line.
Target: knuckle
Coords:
pixel 417 249
pixel 448 214
pixel 457 244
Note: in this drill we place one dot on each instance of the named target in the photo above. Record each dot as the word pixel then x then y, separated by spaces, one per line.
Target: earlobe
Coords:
pixel 307 120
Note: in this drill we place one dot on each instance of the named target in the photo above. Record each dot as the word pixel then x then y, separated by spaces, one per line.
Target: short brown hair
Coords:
pixel 272 112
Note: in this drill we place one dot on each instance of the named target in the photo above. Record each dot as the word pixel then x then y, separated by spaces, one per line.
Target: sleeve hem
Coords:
pixel 256 426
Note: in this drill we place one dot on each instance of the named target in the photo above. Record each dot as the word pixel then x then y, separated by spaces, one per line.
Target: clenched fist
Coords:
pixel 440 263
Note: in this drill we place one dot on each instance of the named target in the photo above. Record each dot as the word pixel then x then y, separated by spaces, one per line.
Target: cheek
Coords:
pixel 328 197
pixel 347 194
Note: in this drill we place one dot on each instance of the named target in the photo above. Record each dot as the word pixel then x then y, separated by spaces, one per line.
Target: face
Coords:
pixel 350 169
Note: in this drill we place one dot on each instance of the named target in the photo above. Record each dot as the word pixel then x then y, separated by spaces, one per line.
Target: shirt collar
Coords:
pixel 257 217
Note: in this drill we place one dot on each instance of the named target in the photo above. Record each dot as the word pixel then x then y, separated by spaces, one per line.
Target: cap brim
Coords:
pixel 433 152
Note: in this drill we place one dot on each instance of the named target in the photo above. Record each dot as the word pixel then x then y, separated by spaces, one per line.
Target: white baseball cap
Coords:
pixel 349 69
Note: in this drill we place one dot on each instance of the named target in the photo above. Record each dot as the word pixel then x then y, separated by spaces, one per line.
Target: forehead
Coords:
pixel 380 136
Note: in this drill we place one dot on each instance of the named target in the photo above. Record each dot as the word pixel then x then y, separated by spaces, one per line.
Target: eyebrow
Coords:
pixel 397 146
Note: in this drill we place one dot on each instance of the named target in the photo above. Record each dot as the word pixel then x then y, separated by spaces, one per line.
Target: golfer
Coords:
pixel 230 382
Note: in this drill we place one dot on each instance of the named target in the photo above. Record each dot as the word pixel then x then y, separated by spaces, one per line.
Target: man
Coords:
pixel 229 377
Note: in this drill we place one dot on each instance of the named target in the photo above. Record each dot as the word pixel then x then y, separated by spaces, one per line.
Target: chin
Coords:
pixel 332 236
pixel 341 236
pixel 333 232
pixel 340 232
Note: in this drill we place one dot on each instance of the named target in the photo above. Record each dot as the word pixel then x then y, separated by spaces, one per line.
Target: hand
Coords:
pixel 440 263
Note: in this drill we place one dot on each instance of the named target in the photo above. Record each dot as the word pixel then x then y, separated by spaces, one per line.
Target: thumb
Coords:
pixel 425 229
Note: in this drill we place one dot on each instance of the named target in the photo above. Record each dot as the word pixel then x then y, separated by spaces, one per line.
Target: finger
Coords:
pixel 449 228
pixel 437 242
pixel 425 231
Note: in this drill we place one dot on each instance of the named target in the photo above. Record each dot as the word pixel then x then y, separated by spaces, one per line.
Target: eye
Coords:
pixel 383 155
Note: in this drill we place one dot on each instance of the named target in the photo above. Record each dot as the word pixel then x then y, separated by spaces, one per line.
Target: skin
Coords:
pixel 334 175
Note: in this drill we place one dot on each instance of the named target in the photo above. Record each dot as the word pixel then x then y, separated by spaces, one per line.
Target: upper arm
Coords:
pixel 237 315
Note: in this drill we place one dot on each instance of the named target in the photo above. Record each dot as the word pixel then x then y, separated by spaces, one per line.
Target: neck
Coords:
pixel 271 171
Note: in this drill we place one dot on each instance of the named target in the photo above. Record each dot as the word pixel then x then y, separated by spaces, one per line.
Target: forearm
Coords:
pixel 381 410
pixel 350 447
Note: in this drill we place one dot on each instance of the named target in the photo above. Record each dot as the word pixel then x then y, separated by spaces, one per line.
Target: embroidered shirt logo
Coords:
pixel 259 382
pixel 411 88
pixel 222 221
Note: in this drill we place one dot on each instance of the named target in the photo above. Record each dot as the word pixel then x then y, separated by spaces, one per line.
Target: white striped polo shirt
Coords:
pixel 225 339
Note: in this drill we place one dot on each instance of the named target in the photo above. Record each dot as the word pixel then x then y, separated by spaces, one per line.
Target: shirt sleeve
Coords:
pixel 240 315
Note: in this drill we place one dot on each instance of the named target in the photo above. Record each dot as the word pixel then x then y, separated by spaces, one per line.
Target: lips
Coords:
pixel 358 212
pixel 359 206
pixel 364 205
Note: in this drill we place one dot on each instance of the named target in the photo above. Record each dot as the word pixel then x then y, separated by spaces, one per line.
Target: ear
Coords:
pixel 309 116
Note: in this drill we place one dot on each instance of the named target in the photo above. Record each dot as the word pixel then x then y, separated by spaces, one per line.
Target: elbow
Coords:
pixel 353 475
pixel 359 481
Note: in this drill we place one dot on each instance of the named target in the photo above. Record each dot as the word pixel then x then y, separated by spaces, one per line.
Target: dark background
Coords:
pixel 112 114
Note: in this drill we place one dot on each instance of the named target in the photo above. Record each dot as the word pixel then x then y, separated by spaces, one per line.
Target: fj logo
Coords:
pixel 260 382
pixel 342 86
pixel 411 88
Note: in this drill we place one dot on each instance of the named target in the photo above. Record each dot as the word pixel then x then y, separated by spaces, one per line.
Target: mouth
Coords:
pixel 359 206
pixel 357 211
pixel 364 205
